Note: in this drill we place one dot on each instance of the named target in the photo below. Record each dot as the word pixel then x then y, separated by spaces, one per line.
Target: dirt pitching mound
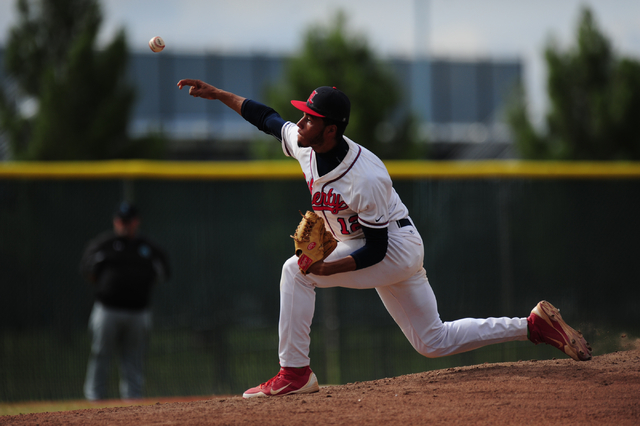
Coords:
pixel 603 391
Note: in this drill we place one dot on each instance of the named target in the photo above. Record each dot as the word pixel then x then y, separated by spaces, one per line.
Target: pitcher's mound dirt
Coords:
pixel 603 391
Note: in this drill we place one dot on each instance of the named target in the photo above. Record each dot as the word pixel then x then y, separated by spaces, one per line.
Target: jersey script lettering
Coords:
pixel 329 201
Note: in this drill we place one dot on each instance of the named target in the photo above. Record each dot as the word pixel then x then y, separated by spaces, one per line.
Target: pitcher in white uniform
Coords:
pixel 378 246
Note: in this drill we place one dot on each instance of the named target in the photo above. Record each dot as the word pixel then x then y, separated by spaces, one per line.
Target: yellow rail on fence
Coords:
pixel 289 169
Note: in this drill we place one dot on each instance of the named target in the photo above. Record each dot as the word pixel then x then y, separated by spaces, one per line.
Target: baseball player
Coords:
pixel 378 246
pixel 123 267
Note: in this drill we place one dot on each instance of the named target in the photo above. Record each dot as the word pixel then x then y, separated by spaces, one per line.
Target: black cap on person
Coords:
pixel 327 102
pixel 126 211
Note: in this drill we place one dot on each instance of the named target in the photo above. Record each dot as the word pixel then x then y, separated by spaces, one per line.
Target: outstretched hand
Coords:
pixel 199 89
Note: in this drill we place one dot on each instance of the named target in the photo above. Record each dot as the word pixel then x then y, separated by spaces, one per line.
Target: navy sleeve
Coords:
pixel 375 248
pixel 263 117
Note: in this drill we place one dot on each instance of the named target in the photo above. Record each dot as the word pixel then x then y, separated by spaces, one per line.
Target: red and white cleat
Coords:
pixel 288 381
pixel 547 326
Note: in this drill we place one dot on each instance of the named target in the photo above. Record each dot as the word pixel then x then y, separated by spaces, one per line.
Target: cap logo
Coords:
pixel 311 96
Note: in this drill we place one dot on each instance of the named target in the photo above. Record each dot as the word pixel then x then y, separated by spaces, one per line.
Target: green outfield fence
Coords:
pixel 499 236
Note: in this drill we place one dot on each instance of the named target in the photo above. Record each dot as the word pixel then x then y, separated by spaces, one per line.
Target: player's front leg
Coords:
pixel 297 306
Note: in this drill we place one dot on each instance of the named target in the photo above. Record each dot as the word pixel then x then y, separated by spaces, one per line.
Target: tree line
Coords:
pixel 65 99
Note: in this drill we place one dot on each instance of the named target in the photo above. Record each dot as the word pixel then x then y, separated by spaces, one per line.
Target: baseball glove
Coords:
pixel 312 241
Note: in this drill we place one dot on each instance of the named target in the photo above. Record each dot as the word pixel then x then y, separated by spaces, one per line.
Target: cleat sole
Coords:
pixel 576 346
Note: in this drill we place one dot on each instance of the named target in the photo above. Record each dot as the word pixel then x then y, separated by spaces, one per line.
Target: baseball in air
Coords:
pixel 156 44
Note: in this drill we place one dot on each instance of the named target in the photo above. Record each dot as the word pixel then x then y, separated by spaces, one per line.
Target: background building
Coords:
pixel 460 106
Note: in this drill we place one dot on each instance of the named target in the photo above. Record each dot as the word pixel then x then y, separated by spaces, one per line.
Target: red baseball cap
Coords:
pixel 327 102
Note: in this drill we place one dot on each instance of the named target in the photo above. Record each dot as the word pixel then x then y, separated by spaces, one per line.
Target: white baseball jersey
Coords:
pixel 357 192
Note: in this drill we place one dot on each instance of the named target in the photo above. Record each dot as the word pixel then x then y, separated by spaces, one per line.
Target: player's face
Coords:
pixel 126 228
pixel 312 132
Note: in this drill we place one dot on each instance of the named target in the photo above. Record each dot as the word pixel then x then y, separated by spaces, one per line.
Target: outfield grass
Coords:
pixel 17 408
pixel 12 409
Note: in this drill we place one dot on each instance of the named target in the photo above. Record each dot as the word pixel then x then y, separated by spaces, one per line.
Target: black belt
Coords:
pixel 403 222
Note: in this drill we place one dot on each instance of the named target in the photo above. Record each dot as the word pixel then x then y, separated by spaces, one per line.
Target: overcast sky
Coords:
pixel 461 29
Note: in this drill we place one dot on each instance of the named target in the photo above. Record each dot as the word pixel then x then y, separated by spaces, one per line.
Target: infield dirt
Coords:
pixel 603 391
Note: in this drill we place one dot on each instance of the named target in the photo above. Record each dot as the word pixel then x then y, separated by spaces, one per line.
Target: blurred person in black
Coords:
pixel 123 268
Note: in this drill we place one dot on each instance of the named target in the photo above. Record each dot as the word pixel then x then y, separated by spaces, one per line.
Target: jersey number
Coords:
pixel 352 226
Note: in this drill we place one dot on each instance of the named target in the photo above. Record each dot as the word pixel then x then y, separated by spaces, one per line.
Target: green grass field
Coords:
pixel 17 408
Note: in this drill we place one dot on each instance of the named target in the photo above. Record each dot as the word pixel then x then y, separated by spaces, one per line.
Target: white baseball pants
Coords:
pixel 401 282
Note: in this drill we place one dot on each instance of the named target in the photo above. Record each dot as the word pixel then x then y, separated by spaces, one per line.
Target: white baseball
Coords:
pixel 156 44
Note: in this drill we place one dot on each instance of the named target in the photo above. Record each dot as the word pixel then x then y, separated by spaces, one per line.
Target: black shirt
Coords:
pixel 124 270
